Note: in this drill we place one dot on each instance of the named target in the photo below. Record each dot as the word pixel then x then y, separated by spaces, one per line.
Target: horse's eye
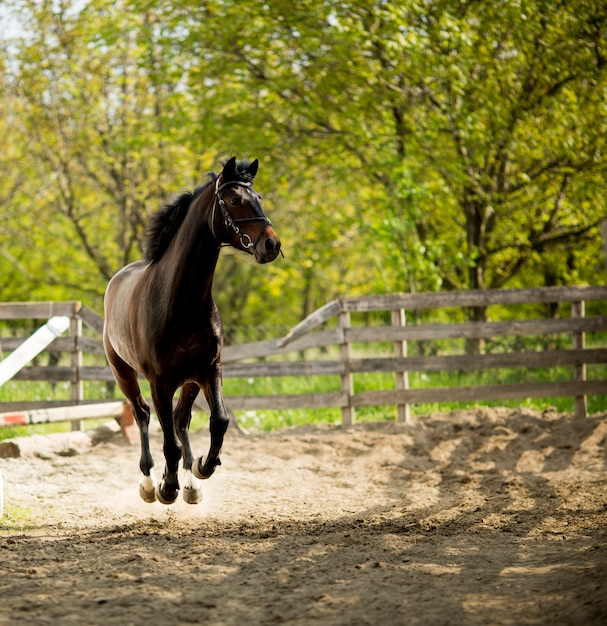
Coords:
pixel 235 201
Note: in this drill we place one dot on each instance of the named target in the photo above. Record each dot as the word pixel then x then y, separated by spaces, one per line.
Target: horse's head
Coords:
pixel 240 217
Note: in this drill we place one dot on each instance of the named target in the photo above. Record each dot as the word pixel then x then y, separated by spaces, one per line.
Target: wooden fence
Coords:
pixel 328 343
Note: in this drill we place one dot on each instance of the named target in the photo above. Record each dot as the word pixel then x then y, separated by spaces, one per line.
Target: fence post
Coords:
pixel 347 380
pixel 76 390
pixel 579 371
pixel 403 411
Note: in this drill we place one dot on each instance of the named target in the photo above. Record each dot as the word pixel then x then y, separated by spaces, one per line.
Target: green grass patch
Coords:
pixel 20 519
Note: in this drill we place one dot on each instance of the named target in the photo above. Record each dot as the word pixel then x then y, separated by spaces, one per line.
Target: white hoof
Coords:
pixel 147 488
pixel 192 496
pixel 192 493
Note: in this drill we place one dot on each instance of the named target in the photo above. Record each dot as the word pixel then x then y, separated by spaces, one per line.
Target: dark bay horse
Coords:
pixel 161 320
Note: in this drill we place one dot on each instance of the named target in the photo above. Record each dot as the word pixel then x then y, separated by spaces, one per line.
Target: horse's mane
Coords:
pixel 165 223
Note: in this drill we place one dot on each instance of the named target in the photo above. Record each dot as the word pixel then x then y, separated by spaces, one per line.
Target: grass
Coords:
pixel 19 519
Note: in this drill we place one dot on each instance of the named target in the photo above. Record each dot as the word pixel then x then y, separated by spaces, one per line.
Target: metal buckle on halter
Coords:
pixel 246 246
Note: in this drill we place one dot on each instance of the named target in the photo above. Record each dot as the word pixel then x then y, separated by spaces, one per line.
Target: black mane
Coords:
pixel 165 223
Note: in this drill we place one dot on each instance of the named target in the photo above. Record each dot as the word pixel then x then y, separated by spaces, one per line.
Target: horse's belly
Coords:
pixel 121 312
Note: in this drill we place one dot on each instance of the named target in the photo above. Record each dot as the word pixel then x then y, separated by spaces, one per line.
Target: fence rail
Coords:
pixel 290 355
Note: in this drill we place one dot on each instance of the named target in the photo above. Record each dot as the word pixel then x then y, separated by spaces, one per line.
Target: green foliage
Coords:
pixel 404 146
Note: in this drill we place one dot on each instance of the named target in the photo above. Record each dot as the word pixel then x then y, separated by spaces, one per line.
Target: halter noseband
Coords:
pixel 245 240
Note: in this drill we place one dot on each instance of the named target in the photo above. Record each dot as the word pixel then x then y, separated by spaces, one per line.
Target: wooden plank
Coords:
pixel 37 310
pixel 464 362
pixel 261 349
pixel 61 344
pixel 58 373
pixel 480 393
pixel 52 374
pixel 61 414
pixel 320 316
pixel 306 339
pixel 376 334
pixel 481 297
pixel 96 372
pixel 92 319
pixel 358 366
pixel 284 402
pixel 9 344
pixel 320 339
pixel 252 350
pixel 287 368
pixel 91 345
pixel 476 330
pixel 467 362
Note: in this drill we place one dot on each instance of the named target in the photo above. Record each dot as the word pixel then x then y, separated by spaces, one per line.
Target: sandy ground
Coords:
pixel 483 517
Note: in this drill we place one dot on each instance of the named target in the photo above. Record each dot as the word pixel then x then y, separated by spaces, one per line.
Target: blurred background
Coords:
pixel 410 146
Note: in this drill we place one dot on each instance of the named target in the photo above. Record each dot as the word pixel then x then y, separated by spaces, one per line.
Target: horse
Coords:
pixel 161 320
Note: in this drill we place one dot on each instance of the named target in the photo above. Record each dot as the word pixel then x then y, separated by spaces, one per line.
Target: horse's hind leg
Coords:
pixel 192 493
pixel 147 486
pixel 126 377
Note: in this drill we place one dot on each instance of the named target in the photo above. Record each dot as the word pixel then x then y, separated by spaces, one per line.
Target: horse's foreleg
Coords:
pixel 218 425
pixel 168 489
pixel 192 493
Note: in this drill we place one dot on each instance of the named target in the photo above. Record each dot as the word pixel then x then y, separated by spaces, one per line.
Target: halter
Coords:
pixel 245 240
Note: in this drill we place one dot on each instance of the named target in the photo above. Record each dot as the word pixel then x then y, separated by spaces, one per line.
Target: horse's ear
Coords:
pixel 253 167
pixel 229 169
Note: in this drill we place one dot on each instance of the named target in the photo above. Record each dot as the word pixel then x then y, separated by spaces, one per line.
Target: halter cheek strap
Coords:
pixel 245 240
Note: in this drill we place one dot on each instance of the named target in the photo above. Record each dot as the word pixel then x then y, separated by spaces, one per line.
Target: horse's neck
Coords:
pixel 189 264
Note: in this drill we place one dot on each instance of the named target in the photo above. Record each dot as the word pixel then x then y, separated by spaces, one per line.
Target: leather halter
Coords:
pixel 245 240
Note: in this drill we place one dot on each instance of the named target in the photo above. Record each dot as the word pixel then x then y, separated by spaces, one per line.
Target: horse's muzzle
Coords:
pixel 268 247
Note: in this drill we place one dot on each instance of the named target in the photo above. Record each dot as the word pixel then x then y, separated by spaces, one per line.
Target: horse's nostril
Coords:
pixel 272 244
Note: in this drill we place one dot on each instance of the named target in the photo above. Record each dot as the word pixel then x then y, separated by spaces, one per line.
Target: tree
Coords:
pixel 403 146
pixel 482 126
pixel 96 105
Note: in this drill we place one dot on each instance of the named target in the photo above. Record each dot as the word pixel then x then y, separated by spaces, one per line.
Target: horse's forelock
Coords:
pixel 241 173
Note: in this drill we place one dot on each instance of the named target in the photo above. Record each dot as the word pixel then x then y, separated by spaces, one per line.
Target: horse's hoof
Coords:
pixel 192 495
pixel 204 471
pixel 147 496
pixel 167 498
